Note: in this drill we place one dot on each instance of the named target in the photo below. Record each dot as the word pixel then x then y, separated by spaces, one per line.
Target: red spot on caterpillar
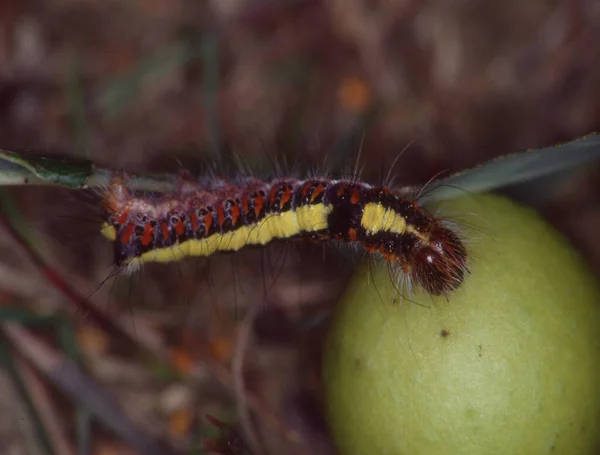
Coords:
pixel 194 221
pixel 388 256
pixel 286 196
pixel 165 230
pixel 208 220
pixel 305 190
pixel 179 227
pixel 127 233
pixel 148 235
pixel 273 195
pixel 319 189
pixel 355 196
pixel 220 215
pixel 235 214
pixel 352 235
pixel 122 218
pixel 245 200
pixel 259 203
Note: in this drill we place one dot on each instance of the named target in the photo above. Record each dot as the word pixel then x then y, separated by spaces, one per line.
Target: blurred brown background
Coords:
pixel 150 84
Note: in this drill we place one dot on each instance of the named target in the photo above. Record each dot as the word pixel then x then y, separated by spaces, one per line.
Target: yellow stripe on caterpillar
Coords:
pixel 274 226
pixel 377 218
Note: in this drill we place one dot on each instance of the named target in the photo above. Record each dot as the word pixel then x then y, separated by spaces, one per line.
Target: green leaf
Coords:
pixel 30 168
pixel 517 168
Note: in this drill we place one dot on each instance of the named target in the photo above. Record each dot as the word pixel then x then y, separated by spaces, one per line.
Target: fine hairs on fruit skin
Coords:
pixel 509 364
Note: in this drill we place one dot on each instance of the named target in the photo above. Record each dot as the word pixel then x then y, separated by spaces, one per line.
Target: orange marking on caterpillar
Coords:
pixel 259 203
pixel 165 230
pixel 306 189
pixel 245 201
pixel 318 191
pixel 127 233
pixel 194 221
pixel 371 248
pixel 122 218
pixel 352 234
pixel 148 235
pixel 235 213
pixel 285 197
pixel 221 215
pixel 179 227
pixel 208 220
pixel 273 195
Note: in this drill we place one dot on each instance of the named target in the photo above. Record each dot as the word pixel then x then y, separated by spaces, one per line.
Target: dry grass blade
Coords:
pixel 46 409
pixel 66 376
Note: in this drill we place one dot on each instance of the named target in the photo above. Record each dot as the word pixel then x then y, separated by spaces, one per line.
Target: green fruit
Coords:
pixel 508 365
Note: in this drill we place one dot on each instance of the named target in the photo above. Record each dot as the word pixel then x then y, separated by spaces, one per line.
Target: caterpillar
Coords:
pixel 220 216
pixel 149 219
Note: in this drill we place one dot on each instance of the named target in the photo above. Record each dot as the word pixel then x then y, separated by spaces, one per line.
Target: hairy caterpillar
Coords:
pixel 201 220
